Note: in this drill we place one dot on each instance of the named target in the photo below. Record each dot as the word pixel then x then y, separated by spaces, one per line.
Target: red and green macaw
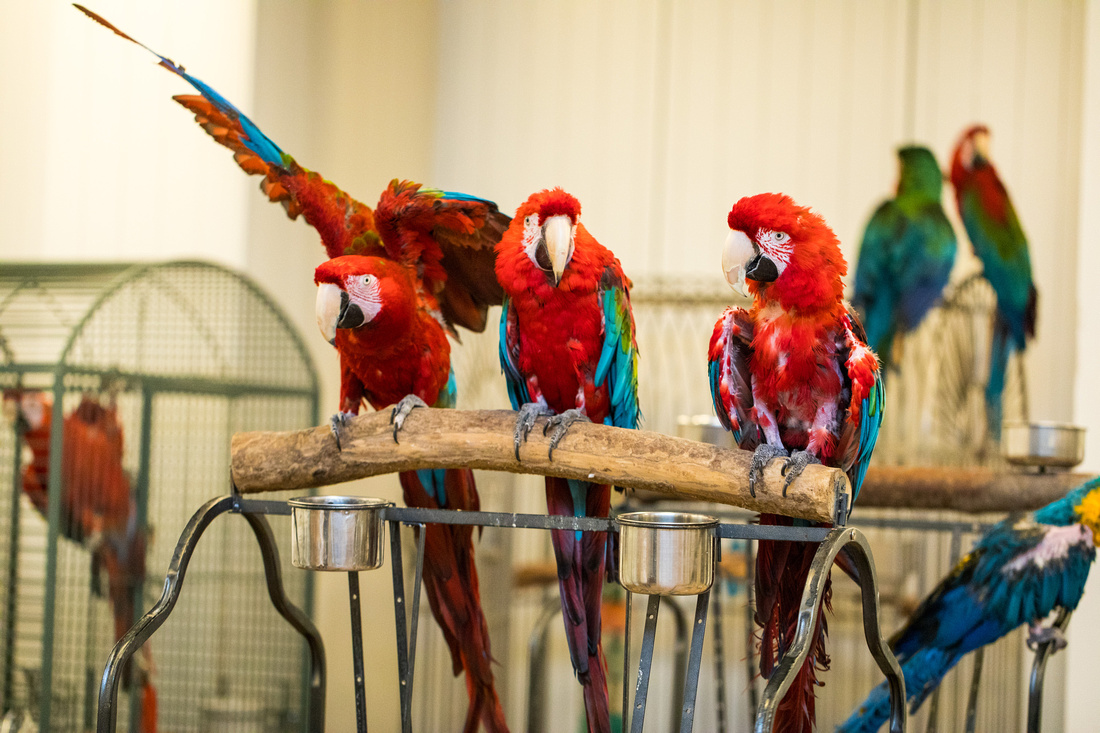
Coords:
pixel 97 509
pixel 907 253
pixel 999 242
pixel 399 280
pixel 792 376
pixel 568 350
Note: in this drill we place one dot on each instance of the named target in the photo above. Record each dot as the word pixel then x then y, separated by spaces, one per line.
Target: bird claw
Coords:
pixel 795 465
pixel 561 424
pixel 401 411
pixel 1039 635
pixel 337 423
pixel 529 412
pixel 760 459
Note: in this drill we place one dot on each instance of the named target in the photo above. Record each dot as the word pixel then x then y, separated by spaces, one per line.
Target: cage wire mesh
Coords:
pixel 187 353
pixel 935 416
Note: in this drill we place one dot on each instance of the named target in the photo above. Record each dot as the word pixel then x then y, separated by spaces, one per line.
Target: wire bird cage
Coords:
pixel 947 357
pixel 186 354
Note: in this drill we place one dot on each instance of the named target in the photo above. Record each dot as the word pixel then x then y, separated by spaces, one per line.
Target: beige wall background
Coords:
pixel 656 114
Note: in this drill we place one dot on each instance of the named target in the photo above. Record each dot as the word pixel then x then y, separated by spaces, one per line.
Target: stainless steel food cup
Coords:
pixel 336 532
pixel 1057 445
pixel 666 553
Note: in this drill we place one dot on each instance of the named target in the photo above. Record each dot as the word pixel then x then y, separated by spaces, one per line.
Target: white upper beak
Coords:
pixel 558 233
pixel 736 253
pixel 328 310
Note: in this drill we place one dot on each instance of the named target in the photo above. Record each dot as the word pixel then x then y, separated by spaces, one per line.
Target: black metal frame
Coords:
pixel 138 634
pixel 832 542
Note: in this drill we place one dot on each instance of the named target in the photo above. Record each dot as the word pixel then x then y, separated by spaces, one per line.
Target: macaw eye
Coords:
pixel 781 237
pixel 366 279
pixel 530 221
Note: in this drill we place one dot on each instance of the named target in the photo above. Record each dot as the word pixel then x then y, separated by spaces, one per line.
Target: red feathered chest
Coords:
pixel 556 332
pixel 796 372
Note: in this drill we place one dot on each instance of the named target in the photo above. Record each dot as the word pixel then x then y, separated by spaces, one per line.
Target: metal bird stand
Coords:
pixel 654 571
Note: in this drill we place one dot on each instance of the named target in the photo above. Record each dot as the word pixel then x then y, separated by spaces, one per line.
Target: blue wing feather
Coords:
pixel 517 385
pixel 618 363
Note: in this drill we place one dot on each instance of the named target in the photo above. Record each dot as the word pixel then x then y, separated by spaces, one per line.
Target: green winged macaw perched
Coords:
pixel 1020 571
pixel 792 377
pixel 567 349
pixel 907 253
pixel 999 242
pixel 399 280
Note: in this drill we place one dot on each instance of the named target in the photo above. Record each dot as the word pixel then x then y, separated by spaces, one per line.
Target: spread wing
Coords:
pixel 450 239
pixel 730 379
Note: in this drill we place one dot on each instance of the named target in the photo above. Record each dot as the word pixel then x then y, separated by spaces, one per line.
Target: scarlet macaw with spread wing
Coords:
pixel 400 279
pixel 792 376
pixel 567 349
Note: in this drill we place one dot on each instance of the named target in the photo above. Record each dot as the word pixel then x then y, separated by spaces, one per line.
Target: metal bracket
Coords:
pixel 781 679
pixel 1038 674
pixel 140 632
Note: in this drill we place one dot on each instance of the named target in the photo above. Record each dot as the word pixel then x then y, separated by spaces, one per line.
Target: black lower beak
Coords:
pixel 351 315
pixel 761 269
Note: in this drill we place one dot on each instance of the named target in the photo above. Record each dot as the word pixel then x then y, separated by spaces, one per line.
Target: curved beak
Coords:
pixel 981 145
pixel 331 304
pixel 557 236
pixel 736 253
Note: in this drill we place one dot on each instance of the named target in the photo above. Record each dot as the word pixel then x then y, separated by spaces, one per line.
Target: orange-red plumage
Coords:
pixel 792 374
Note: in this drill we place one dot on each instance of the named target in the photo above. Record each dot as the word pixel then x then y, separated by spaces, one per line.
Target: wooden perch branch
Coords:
pixel 432 438
pixel 973 490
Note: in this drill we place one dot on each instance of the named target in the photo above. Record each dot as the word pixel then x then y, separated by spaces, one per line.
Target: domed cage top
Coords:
pixel 180 355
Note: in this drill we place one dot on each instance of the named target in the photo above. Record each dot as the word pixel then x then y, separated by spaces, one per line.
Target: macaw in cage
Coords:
pixel 97 509
pixel 907 253
pixel 400 279
pixel 792 377
pixel 1020 571
pixel 999 242
pixel 568 351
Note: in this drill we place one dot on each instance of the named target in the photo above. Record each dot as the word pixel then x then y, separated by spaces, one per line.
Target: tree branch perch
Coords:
pixel 434 438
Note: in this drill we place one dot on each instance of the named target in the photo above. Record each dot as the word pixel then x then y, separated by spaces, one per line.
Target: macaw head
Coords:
pixel 973 148
pixel 549 230
pixel 784 253
pixel 29 407
pixel 918 172
pixel 359 292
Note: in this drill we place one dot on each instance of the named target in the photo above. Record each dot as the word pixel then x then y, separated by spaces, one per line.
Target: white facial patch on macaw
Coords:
pixel 778 246
pixel 34 410
pixel 1054 546
pixel 364 291
pixel 532 235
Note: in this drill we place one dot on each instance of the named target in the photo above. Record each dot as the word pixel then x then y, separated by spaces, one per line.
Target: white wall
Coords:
pixel 1080 713
pixel 661 116
pixel 97 162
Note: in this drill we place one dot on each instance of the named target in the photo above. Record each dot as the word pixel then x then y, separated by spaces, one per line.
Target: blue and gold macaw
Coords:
pixel 907 253
pixel 1020 571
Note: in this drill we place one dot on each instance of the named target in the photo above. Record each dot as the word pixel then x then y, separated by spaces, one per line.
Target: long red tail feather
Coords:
pixel 781 572
pixel 451 585
pixel 581 563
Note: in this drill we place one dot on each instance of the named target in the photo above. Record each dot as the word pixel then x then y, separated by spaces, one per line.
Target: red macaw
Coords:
pixel 999 242
pixel 96 505
pixel 400 279
pixel 567 349
pixel 793 373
